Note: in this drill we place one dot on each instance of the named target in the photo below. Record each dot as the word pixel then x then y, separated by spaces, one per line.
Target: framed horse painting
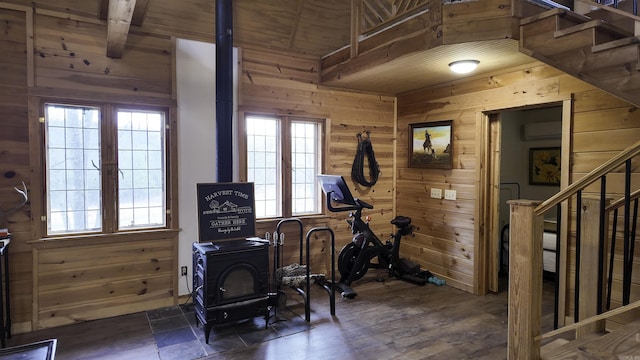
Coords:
pixel 431 145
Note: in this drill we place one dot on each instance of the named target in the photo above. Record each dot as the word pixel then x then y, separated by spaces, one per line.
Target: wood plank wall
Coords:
pixel 102 278
pixel 14 155
pixel 281 83
pixel 60 282
pixel 448 230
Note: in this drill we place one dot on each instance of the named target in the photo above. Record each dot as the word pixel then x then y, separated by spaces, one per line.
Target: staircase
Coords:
pixel 619 344
pixel 600 47
pixel 593 238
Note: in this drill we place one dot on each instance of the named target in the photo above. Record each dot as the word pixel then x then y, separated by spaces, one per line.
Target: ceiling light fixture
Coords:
pixel 464 66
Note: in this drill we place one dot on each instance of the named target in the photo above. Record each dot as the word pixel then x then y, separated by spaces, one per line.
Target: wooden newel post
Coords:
pixel 525 280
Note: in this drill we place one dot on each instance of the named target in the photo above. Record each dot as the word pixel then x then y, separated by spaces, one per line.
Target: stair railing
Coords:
pixel 591 226
pixel 629 235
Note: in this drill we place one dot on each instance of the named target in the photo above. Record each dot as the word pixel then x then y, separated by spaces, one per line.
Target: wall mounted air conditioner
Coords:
pixel 543 131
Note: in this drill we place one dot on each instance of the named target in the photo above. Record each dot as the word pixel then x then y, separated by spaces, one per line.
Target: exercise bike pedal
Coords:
pixel 349 295
pixel 346 291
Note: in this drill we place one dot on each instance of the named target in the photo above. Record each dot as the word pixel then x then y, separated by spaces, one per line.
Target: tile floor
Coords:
pixel 178 337
pixel 161 334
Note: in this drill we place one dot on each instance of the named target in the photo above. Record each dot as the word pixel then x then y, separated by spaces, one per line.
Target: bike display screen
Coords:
pixel 337 187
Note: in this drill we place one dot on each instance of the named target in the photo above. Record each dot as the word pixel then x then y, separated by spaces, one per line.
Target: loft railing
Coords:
pixel 617 9
pixel 592 216
pixel 610 5
pixel 376 14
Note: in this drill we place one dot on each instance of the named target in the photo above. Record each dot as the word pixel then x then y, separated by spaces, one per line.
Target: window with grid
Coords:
pixel 284 155
pixel 84 161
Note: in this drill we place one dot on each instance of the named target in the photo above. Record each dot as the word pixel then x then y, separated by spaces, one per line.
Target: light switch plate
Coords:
pixel 436 193
pixel 450 194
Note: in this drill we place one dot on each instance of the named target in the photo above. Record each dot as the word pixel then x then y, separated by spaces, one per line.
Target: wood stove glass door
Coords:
pixel 239 282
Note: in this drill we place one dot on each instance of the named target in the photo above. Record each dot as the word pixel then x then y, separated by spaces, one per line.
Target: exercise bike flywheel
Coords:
pixel 347 261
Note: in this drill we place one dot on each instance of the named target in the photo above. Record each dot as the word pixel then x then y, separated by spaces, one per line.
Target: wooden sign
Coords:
pixel 225 211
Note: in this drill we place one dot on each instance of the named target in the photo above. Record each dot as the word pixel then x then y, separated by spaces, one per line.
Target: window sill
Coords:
pixel 303 218
pixel 128 236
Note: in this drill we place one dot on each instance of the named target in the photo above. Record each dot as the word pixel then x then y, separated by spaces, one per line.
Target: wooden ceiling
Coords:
pixel 309 27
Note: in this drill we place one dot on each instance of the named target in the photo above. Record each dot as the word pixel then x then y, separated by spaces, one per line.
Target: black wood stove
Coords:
pixel 230 282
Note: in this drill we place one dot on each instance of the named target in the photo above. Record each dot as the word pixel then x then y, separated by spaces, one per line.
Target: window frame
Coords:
pixel 108 157
pixel 285 148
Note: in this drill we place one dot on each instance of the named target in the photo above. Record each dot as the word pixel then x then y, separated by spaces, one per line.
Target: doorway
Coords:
pixel 512 136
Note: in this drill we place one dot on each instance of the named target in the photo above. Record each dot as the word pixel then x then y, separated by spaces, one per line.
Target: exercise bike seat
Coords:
pixel 401 221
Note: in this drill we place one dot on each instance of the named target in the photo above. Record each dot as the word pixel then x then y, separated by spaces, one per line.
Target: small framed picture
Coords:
pixel 544 166
pixel 431 145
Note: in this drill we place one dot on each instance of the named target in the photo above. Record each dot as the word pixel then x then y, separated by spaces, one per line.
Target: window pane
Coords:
pixel 305 166
pixel 55 136
pixel 125 181
pixel 156 198
pixel 263 167
pixel 92 200
pixel 74 117
pixel 57 181
pixel 58 200
pixel 140 160
pixel 125 159
pixel 139 140
pixel 75 221
pixel 125 199
pixel 73 138
pixel 75 158
pixel 75 179
pixel 72 144
pixel 142 181
pixel 57 158
pixel 155 159
pixel 124 140
pixel 93 220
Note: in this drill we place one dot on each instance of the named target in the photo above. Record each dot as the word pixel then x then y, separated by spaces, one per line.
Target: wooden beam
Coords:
pixel 120 14
pixel 103 13
pixel 356 26
pixel 296 24
pixel 139 12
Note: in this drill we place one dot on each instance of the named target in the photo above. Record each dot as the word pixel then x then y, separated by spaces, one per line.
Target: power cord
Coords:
pixel 190 293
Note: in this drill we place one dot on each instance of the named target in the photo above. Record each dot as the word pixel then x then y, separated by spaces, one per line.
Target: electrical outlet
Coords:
pixel 183 271
pixel 450 194
pixel 436 193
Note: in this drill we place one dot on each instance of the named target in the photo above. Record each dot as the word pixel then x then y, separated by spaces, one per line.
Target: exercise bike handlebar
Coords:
pixel 358 205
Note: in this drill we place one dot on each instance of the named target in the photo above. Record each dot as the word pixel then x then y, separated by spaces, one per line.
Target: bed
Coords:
pixel 548 249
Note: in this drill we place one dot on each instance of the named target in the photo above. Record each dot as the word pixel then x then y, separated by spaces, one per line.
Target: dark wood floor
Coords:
pixel 387 320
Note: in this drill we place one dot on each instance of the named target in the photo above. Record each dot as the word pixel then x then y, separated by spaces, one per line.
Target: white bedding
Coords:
pixel 548 252
pixel 549 241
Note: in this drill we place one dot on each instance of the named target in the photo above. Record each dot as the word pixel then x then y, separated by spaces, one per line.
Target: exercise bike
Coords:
pixel 355 258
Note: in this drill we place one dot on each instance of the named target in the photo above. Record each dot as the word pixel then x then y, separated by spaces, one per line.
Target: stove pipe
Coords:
pixel 224 89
